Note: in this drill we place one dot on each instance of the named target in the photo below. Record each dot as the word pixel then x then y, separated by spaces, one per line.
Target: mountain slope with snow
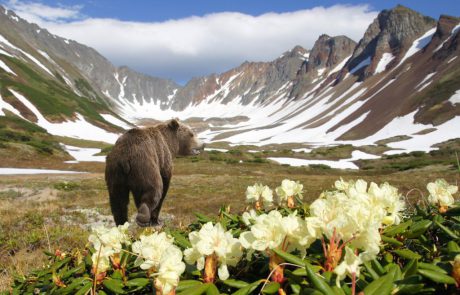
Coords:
pixel 401 79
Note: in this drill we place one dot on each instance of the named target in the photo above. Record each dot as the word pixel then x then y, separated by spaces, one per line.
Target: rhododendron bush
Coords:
pixel 357 238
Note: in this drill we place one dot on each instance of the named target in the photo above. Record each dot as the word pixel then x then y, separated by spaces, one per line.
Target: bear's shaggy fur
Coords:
pixel 141 163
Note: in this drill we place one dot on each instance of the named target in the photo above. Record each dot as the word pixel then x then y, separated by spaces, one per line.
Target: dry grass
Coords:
pixel 197 186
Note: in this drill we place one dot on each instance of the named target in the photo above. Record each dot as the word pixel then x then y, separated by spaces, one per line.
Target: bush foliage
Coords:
pixel 321 250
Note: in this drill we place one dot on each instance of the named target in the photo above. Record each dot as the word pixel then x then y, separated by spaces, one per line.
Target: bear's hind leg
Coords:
pixel 119 200
pixel 155 218
pixel 148 201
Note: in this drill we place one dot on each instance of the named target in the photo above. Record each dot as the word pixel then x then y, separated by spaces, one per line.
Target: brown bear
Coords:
pixel 141 162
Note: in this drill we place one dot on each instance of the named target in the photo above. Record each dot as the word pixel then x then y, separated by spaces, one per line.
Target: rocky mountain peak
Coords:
pixel 392 32
pixel 446 24
pixel 329 51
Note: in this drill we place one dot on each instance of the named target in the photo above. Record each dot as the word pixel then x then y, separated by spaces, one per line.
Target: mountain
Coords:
pixel 399 84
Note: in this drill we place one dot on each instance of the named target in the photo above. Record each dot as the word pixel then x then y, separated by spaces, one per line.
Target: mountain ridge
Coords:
pixel 404 68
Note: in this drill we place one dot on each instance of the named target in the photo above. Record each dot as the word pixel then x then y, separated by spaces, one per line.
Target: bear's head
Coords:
pixel 188 142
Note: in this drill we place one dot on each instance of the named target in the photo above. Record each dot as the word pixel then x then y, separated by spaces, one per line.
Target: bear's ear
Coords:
pixel 173 124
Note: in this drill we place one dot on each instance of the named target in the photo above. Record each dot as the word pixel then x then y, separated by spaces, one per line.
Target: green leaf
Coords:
pixel 235 283
pixel 391 241
pixel 381 286
pixel 371 271
pixel 317 281
pixel 78 269
pixel 185 284
pixel 418 228
pixel 436 276
pixel 57 265
pixel 201 289
pixel 289 257
pixel 117 275
pixel 410 288
pixel 76 283
pixel 446 230
pixel 212 290
pixel 203 218
pixel 311 291
pixel 455 211
pixel 377 267
pixel 295 288
pixel 410 268
pixel 232 217
pixel 271 288
pixel 397 229
pixel 302 272
pixel 139 282
pixel 115 286
pixel 138 274
pixel 408 254
pixel 338 291
pixel 432 267
pixel 249 288
pixel 453 247
pixel 180 240
pixel 84 290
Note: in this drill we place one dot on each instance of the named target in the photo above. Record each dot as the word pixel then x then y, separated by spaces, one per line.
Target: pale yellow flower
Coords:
pixel 350 265
pixel 214 240
pixel 151 248
pixel 259 193
pixel 441 193
pixel 171 267
pixel 288 189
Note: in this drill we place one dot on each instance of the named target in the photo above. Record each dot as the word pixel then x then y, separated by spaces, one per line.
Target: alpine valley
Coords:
pixel 396 90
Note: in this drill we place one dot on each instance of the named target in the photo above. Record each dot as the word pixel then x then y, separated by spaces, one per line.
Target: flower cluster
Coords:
pixel 273 231
pixel 441 193
pixel 259 193
pixel 288 190
pixel 353 213
pixel 157 254
pixel 213 247
pixel 348 221
pixel 108 243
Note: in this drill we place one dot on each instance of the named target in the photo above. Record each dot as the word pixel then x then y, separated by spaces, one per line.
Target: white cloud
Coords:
pixel 39 13
pixel 201 45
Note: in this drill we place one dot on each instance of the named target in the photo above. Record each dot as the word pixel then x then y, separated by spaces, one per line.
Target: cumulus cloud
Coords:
pixel 39 13
pixel 200 45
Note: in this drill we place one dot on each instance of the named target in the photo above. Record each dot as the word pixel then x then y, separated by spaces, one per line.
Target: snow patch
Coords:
pixel 83 154
pixel 22 171
pixel 384 61
pixel 443 132
pixel 418 44
pixel 340 164
pixel 216 149
pixel 32 58
pixel 422 85
pixel 7 106
pixel 452 59
pixel 6 68
pixel 116 121
pixel 340 65
pixel 455 99
pixel 5 53
pixel 299 150
pixel 79 128
pixel 452 33
pixel 321 71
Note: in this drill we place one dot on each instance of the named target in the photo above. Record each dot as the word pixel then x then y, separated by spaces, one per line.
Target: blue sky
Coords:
pixel 181 39
pixel 156 10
